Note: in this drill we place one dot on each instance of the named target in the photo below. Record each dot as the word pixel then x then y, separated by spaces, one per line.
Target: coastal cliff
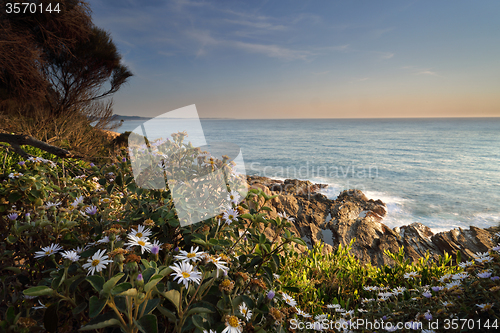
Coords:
pixel 353 215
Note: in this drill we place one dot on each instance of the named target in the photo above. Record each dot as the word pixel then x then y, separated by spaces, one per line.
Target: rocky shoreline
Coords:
pixel 353 215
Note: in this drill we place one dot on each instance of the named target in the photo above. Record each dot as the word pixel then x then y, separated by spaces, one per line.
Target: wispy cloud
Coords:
pixel 320 73
pixel 386 55
pixel 421 71
pixel 273 51
pixel 258 25
pixel 427 72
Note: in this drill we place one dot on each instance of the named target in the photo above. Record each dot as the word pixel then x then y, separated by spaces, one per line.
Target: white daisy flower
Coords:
pixel 230 215
pixel 233 197
pixel 484 275
pixel 52 204
pixel 245 311
pixel 192 256
pixel 288 299
pixel 233 325
pixel 411 275
pixel 71 255
pixel 370 288
pixel 286 217
pixel 219 263
pixel 98 262
pixel 445 277
pixel 465 264
pixel 398 290
pixel 460 276
pixel 77 201
pixel 185 272
pixel 321 317
pixel 481 254
pixel 15 175
pixel 48 250
pixel 484 259
pixel 452 285
pixel 91 210
pixel 141 231
pixel 446 303
pixel 333 306
pixel 485 306
pixel 138 241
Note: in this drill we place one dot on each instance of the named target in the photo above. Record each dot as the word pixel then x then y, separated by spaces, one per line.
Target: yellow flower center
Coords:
pixel 185 275
pixel 232 197
pixel 226 283
pixel 231 217
pixel 95 262
pixel 233 321
pixel 141 243
pixel 139 234
pixel 244 311
pixel 191 255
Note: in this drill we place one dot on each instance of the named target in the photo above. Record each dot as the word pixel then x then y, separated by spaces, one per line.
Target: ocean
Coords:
pixel 443 173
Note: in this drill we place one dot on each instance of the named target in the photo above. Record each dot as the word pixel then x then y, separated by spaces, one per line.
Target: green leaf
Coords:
pixel 96 281
pixel 50 319
pixel 153 282
pixel 147 324
pixel 174 297
pixel 267 208
pixel 200 241
pixel 198 310
pixel 150 305
pixel 148 273
pixel 167 313
pixel 121 303
pixel 10 315
pixel 166 271
pixel 95 306
pixel 105 320
pixel 106 288
pixel 13 269
pixel 88 253
pixel 38 291
pixel 11 239
pixel 82 306
pixel 121 288
pixel 14 196
pixel 129 292
pixel 299 241
pixel 292 289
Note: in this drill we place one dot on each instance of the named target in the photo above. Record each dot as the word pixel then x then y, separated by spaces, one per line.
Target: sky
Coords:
pixel 307 59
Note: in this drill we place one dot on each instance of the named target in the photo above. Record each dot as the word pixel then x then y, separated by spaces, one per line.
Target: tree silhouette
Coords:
pixel 59 61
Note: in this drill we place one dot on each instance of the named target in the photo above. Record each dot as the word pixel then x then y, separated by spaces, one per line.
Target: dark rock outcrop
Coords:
pixel 353 215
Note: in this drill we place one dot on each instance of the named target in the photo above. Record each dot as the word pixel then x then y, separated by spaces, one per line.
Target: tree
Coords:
pixel 59 61
pixel 56 68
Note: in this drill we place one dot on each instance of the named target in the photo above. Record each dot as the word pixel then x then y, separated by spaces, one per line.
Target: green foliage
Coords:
pixel 244 276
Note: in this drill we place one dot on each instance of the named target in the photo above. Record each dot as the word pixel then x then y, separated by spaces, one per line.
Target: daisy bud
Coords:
pixel 131 268
pixel 140 281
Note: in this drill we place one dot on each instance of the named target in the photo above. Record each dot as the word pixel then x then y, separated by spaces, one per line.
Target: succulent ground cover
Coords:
pixel 84 248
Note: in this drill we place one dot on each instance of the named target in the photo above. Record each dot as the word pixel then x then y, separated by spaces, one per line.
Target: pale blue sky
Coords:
pixel 307 59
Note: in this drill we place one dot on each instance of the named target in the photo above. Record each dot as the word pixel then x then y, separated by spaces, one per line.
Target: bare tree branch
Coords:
pixel 16 141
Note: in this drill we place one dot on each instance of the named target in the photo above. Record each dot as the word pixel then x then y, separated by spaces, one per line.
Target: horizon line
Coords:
pixel 345 118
